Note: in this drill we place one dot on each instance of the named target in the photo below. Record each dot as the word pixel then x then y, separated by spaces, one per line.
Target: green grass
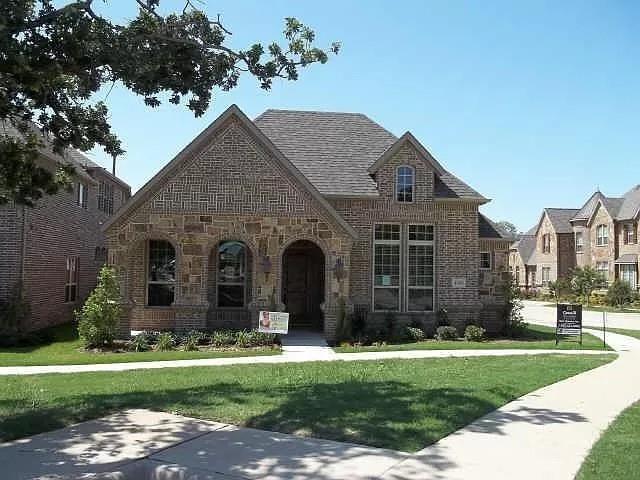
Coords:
pixel 66 349
pixel 602 308
pixel 398 404
pixel 616 456
pixel 536 337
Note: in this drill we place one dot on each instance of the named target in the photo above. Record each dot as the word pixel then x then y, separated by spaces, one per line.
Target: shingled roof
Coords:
pixel 630 205
pixel 334 151
pixel 488 229
pixel 526 247
pixel 560 218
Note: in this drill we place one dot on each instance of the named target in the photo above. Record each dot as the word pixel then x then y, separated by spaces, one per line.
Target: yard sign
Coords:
pixel 273 322
pixel 568 321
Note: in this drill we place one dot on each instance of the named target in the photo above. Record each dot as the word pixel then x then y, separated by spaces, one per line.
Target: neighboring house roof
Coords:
pixel 488 229
pixel 630 206
pixel 336 151
pixel 627 258
pixel 200 142
pixel 69 156
pixel 560 218
pixel 526 247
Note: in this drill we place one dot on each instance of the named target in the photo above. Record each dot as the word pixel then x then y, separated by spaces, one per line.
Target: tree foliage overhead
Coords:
pixel 508 228
pixel 54 58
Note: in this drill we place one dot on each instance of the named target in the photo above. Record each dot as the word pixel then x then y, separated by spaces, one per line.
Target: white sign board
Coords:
pixel 459 282
pixel 273 322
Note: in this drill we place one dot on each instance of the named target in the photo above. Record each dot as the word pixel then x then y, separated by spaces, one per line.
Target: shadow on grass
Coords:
pixel 396 415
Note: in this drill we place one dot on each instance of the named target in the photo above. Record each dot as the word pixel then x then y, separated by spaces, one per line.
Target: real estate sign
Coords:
pixel 568 320
pixel 273 322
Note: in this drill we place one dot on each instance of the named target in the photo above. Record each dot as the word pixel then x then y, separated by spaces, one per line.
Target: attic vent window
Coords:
pixel 405 180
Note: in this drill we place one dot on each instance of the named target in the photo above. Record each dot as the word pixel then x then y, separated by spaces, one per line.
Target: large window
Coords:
pixel 603 269
pixel 405 181
pixel 105 197
pixel 71 280
pixel 386 253
pixel 411 247
pixel 602 235
pixel 420 268
pixel 81 195
pixel 546 274
pixel 232 274
pixel 161 280
pixel 628 274
pixel 579 242
pixel 485 260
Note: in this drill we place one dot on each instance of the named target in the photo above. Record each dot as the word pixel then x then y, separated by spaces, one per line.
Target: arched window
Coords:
pixel 404 183
pixel 161 273
pixel 232 274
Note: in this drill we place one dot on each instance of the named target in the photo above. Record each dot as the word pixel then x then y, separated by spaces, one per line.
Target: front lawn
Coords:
pixel 535 337
pixel 603 308
pixel 66 349
pixel 616 456
pixel 399 404
pixel 621 331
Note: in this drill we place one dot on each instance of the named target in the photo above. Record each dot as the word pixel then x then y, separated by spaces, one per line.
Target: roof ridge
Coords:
pixel 333 112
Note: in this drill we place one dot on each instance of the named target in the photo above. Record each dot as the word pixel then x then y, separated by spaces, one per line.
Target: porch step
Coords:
pixel 305 343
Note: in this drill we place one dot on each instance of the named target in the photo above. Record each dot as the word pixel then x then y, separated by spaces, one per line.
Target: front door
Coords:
pixel 303 284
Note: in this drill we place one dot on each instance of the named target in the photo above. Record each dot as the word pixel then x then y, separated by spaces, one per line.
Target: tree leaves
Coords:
pixel 53 59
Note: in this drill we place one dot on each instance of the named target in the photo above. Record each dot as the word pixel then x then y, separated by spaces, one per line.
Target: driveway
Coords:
pixel 541 314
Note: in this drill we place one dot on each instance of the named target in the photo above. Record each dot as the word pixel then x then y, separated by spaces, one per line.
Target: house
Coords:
pixel 546 252
pixel 606 235
pixel 53 251
pixel 313 213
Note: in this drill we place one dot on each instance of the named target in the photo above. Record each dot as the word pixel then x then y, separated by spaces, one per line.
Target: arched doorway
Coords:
pixel 303 284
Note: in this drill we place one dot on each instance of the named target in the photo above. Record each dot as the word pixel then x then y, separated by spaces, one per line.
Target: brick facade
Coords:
pixel 37 241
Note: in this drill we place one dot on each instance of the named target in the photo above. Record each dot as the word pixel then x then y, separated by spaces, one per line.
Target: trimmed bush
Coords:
pixel 414 334
pixel 98 319
pixel 473 333
pixel 446 333
pixel 165 342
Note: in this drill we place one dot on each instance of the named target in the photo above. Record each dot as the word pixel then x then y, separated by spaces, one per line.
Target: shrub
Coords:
pixel 98 319
pixel 201 338
pixel 165 342
pixel 585 280
pixel 139 343
pixel 443 318
pixel 389 324
pixel 619 294
pixel 446 333
pixel 223 338
pixel 514 324
pixel 358 322
pixel 190 343
pixel 243 339
pixel 414 334
pixel 13 311
pixel 473 333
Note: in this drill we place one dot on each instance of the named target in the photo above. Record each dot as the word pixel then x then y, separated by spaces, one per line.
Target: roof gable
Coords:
pixel 395 147
pixel 630 206
pixel 560 218
pixel 488 229
pixel 609 207
pixel 201 142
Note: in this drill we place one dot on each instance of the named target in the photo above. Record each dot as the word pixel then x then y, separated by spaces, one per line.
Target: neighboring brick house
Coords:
pixel 606 235
pixel 546 252
pixel 55 249
pixel 315 213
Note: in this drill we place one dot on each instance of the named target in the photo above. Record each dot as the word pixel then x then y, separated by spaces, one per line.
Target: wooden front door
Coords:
pixel 303 285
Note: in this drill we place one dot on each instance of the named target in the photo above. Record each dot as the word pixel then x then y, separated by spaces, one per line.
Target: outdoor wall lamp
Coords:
pixel 338 269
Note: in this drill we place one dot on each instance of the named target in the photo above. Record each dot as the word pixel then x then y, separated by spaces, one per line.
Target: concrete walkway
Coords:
pixel 545 434
pixel 541 314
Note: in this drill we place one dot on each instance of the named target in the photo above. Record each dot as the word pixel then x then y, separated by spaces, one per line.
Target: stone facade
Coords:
pixel 231 184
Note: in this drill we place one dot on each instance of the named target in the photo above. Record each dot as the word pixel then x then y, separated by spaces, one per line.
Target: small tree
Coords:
pixel 559 288
pixel 514 320
pixel 585 280
pixel 619 294
pixel 98 319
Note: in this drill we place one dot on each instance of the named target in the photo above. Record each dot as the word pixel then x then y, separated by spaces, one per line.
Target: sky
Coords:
pixel 533 103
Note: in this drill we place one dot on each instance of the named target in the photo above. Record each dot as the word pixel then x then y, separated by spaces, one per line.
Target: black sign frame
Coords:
pixel 568 321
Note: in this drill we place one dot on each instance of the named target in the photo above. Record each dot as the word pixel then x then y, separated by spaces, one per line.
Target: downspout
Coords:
pixel 23 253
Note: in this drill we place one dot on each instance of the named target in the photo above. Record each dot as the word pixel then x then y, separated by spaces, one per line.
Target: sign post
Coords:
pixel 568 321
pixel 273 322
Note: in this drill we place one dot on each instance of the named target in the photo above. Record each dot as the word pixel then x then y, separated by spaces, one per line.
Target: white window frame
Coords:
pixel 243 284
pixel 373 267
pixel 490 260
pixel 629 234
pixel 81 195
pixel 413 184
pixel 602 240
pixel 405 276
pixel 72 275
pixel 579 243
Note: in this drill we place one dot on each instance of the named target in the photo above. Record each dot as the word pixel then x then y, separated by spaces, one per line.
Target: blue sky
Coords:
pixel 534 104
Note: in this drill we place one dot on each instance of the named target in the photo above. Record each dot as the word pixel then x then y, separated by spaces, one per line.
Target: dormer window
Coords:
pixel 405 180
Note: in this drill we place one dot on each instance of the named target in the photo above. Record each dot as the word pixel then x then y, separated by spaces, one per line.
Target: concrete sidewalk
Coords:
pixel 541 314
